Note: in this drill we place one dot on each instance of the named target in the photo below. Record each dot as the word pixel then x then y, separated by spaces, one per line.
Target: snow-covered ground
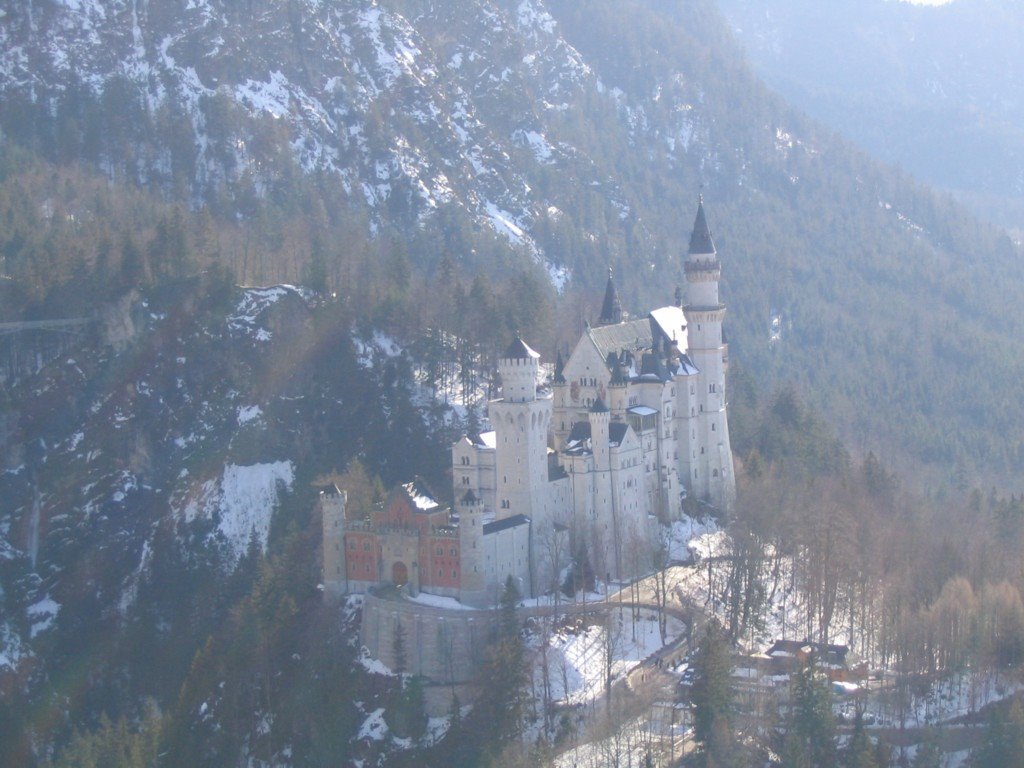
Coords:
pixel 581 651
pixel 243 500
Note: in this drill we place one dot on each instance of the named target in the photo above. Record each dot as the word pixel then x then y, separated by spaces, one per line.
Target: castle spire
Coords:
pixel 611 309
pixel 701 243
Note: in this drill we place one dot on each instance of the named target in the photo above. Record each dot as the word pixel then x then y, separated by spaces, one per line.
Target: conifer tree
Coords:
pixel 712 701
pixel 810 738
pixel 859 751
pixel 1003 745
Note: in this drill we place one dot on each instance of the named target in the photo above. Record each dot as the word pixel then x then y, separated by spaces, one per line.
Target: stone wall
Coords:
pixel 444 645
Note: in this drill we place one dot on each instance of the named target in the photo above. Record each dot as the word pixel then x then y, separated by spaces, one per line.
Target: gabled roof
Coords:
pixel 421 496
pixel 652 368
pixel 470 497
pixel 484 440
pixel 631 335
pixel 505 523
pixel 672 322
pixel 661 328
pixel 701 243
pixel 599 406
pixel 686 366
pixel 519 350
pixel 580 432
pixel 617 432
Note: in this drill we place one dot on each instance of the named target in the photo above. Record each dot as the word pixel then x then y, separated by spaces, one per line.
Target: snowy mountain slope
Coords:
pixel 213 418
pixel 412 112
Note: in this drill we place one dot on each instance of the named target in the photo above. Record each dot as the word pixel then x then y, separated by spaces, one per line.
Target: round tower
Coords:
pixel 521 421
pixel 332 512
pixel 518 369
pixel 712 473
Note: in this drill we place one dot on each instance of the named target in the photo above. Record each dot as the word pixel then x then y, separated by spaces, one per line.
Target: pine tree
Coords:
pixel 712 700
pixel 810 738
pixel 859 751
pixel 929 752
pixel 1003 745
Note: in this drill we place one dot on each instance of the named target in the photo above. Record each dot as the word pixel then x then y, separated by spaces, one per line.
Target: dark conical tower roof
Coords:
pixel 559 369
pixel 611 309
pixel 519 350
pixel 700 240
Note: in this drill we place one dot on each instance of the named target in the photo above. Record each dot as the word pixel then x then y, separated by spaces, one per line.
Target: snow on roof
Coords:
pixel 844 688
pixel 420 496
pixel 486 440
pixel 672 322
pixel 642 410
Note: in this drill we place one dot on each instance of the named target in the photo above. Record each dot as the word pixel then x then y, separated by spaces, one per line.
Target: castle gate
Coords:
pixel 399 574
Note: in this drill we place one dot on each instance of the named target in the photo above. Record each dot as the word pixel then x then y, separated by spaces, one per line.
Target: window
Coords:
pixel 465 479
pixel 714 473
pixel 440 551
pixel 712 426
pixel 351 545
pixel 367 567
pixel 454 553
pixel 366 546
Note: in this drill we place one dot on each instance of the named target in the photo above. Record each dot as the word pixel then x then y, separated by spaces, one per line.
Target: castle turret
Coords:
pixel 712 474
pixel 599 417
pixel 611 308
pixel 521 422
pixel 471 551
pixel 332 516
pixel 560 394
pixel 518 368
pixel 618 396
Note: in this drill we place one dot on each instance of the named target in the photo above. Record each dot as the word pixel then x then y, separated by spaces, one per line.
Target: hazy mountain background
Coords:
pixel 936 90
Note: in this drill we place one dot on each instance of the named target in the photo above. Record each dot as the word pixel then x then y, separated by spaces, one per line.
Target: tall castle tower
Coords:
pixel 521 422
pixel 332 511
pixel 712 474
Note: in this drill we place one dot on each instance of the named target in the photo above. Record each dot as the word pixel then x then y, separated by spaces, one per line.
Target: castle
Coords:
pixel 632 423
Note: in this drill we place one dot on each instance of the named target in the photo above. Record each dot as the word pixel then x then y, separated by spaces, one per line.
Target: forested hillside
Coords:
pixel 544 140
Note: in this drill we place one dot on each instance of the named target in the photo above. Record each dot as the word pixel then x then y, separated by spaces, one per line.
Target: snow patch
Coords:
pixel 42 615
pixel 242 501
